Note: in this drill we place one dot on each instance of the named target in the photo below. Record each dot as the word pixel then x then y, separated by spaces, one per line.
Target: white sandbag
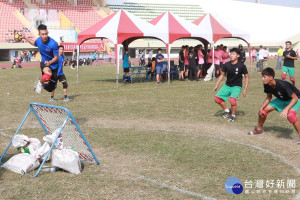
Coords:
pixel 66 159
pixel 21 163
pixel 50 139
pixel 34 145
pixel 42 152
pixel 20 140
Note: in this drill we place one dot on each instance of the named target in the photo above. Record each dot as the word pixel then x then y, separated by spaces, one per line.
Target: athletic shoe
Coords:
pixel 67 99
pixel 256 132
pixel 53 99
pixel 232 119
pixel 226 114
pixel 38 87
pixel 37 80
pixel 298 142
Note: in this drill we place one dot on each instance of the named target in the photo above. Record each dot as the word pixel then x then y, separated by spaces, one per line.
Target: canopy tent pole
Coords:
pixel 250 57
pixel 213 71
pixel 169 61
pixel 117 50
pixel 78 49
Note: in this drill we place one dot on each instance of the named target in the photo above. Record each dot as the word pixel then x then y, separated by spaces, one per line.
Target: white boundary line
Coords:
pixel 183 191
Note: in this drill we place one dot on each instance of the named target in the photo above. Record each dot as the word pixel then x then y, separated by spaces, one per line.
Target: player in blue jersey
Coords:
pixel 48 48
pixel 60 75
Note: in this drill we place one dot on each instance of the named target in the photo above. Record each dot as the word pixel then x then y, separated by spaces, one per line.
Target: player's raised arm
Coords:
pixel 29 40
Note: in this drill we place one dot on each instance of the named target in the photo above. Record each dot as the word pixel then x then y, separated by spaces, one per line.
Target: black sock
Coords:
pixel 66 96
pixel 52 97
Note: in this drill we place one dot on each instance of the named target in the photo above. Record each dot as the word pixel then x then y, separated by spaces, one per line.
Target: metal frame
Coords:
pixel 69 116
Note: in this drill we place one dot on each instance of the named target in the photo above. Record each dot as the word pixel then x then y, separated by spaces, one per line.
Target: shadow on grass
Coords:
pixel 81 120
pixel 281 131
pixel 107 80
pixel 2 170
pixel 238 113
pixel 74 96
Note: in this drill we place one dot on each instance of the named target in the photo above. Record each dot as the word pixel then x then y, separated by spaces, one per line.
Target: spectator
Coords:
pixel 94 56
pixel 159 65
pixel 266 55
pixel 17 63
pixel 110 56
pixel 261 58
pixel 253 54
pixel 200 61
pixel 126 65
pixel 29 56
pixel 217 61
pixel 143 58
pixel 186 61
pixel 225 55
pixel 192 64
pixel 181 63
pixel 150 55
pixel 279 58
pixel 242 57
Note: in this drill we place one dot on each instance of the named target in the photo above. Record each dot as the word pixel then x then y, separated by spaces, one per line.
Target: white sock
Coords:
pixel 233 115
pixel 226 110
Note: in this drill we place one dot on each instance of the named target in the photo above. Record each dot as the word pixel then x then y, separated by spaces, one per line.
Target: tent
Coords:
pixel 119 27
pixel 218 29
pixel 171 27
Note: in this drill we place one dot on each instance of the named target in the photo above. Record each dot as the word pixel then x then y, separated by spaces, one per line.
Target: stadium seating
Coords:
pixel 82 16
pixel 9 24
pixel 149 11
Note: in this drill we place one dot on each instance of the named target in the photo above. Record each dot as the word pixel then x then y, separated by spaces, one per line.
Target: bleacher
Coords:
pixel 82 16
pixel 149 11
pixel 9 24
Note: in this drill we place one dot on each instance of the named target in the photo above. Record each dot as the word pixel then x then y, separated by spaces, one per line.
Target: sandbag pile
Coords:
pixel 32 153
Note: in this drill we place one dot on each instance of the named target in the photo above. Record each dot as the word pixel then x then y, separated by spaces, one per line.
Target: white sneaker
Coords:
pixel 38 87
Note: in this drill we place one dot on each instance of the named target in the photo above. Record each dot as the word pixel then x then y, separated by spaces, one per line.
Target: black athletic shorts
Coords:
pixel 126 70
pixel 62 78
pixel 181 67
pixel 187 67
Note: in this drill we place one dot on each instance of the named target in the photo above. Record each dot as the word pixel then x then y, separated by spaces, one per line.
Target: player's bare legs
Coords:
pixel 262 117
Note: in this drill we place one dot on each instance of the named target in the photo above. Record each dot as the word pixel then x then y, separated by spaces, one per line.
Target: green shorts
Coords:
pixel 280 105
pixel 226 91
pixel 289 70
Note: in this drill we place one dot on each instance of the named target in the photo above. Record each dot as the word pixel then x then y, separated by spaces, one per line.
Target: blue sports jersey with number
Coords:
pixel 48 50
pixel 60 65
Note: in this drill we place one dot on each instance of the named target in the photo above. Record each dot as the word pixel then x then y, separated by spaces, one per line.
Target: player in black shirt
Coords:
pixel 286 102
pixel 233 86
pixel 289 55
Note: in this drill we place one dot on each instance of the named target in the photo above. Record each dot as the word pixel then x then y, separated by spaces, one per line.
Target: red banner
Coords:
pixel 84 47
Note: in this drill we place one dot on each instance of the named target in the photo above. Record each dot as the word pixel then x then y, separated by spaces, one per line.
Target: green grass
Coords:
pixel 170 133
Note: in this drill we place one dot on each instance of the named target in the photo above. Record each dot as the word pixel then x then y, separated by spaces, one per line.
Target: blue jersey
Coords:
pixel 48 50
pixel 159 57
pixel 60 71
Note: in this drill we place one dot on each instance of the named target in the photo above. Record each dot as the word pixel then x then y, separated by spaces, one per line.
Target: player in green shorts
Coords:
pixel 287 101
pixel 289 57
pixel 234 70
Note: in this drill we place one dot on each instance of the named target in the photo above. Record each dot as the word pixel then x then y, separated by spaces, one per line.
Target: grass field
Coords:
pixel 153 141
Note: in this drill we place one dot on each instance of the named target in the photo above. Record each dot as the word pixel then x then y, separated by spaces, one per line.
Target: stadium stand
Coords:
pixel 149 11
pixel 9 27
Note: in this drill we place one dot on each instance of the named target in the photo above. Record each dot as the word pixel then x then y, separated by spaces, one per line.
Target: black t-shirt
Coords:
pixel 242 57
pixel 283 90
pixel 234 73
pixel 288 62
pixel 181 55
pixel 192 58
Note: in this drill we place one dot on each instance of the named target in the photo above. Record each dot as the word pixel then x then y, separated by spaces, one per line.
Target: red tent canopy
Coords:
pixel 218 28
